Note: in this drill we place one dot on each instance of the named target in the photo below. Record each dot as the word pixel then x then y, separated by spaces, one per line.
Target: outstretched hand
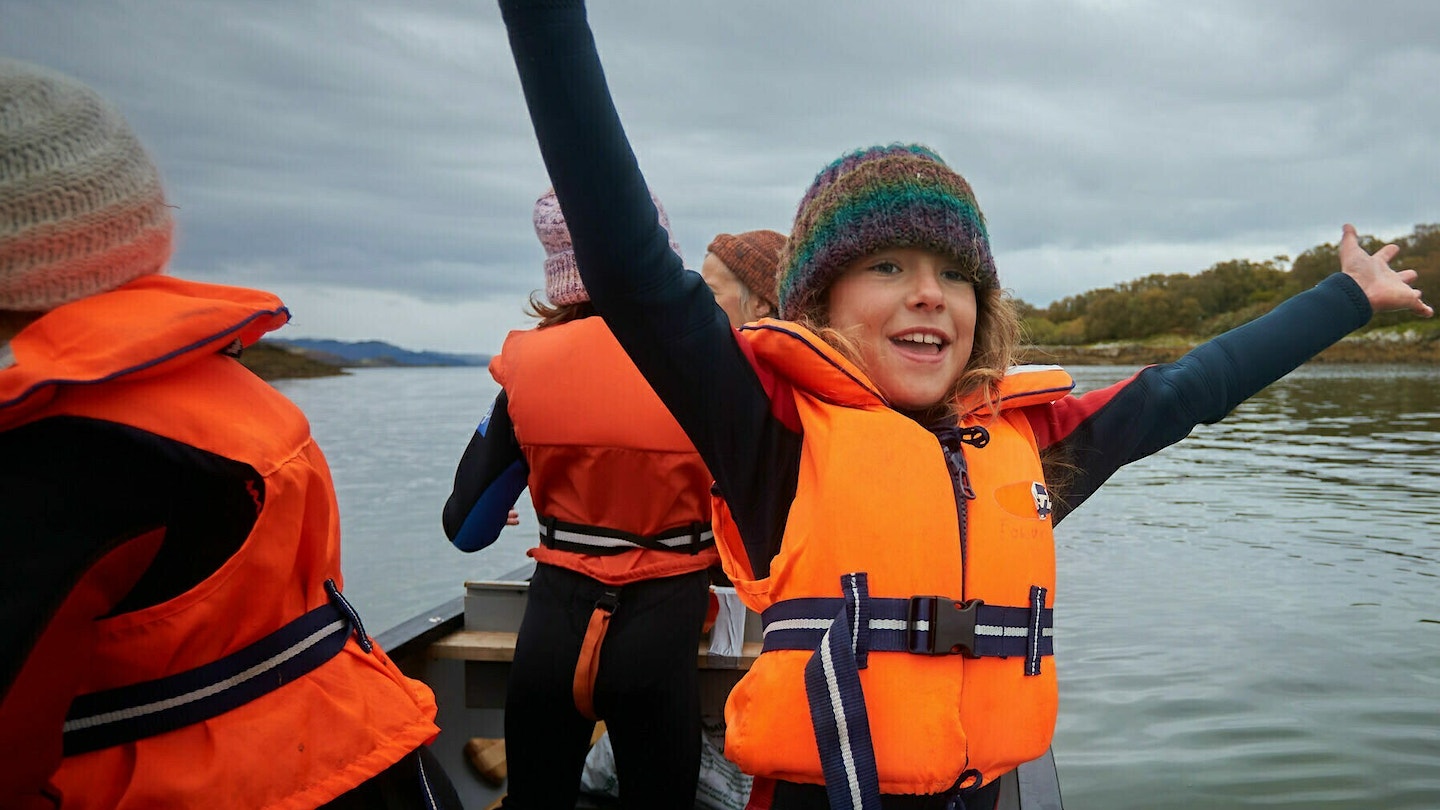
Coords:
pixel 1385 288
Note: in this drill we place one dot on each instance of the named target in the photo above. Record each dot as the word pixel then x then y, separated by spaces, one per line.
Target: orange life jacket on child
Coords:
pixel 610 469
pixel 875 497
pixel 149 355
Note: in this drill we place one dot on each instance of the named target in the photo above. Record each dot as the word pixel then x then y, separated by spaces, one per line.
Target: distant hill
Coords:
pixel 372 353
pixel 274 362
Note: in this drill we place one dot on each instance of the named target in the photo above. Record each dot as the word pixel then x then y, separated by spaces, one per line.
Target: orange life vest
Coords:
pixel 875 496
pixel 148 355
pixel 605 455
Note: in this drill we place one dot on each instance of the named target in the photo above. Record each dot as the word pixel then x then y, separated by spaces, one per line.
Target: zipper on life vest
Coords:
pixel 952 440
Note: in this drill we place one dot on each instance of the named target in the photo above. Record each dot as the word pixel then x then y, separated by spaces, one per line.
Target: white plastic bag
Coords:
pixel 722 785
pixel 599 777
pixel 727 637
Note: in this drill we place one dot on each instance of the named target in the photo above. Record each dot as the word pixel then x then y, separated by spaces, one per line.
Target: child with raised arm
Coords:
pixel 887 481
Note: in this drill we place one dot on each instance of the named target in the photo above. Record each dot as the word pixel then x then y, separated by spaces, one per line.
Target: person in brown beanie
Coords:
pixel 742 270
pixel 172 631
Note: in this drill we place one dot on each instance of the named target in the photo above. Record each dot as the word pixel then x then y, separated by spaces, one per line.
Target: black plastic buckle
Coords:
pixel 952 626
pixel 696 529
pixel 608 601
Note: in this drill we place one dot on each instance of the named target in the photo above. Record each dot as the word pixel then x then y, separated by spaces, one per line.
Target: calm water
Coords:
pixel 1249 619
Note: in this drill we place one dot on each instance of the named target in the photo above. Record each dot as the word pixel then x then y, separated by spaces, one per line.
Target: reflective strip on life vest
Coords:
pixel 557 534
pixel 128 713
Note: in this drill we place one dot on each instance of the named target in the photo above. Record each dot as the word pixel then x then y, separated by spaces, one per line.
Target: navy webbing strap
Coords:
pixel 837 702
pixel 577 537
pixel 128 713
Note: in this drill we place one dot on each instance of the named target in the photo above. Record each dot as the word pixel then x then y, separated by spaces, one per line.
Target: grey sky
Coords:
pixel 373 162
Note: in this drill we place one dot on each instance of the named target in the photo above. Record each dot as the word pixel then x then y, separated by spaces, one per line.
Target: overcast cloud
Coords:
pixel 373 163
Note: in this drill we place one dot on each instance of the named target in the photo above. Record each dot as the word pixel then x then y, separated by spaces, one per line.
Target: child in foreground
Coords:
pixel 887 480
pixel 172 629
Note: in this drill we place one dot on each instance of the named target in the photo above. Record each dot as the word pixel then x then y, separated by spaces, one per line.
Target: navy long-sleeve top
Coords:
pixel 741 421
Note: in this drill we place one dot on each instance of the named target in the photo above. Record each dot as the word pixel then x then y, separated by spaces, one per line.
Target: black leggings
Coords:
pixel 645 690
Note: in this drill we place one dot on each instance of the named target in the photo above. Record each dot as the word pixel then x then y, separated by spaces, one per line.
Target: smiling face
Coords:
pixel 912 314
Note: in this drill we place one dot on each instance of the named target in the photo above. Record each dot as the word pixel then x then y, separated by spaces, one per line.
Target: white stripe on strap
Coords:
pixel 211 689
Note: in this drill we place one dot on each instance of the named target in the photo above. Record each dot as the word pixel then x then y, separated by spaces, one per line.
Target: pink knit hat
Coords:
pixel 562 277
pixel 81 206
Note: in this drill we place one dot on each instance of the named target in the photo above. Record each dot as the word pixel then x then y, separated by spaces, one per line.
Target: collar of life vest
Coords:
pixel 802 356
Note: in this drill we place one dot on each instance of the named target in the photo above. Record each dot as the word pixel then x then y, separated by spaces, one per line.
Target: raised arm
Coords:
pixel 1109 428
pixel 663 315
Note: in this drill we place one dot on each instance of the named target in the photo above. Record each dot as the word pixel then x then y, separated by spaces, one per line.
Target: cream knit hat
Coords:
pixel 81 207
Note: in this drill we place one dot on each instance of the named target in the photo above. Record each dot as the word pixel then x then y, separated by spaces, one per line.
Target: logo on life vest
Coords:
pixel 1042 499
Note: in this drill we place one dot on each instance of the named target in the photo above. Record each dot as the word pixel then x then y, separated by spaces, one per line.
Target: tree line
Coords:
pixel 1228 294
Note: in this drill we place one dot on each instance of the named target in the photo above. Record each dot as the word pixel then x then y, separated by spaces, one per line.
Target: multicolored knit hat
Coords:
pixel 901 195
pixel 81 207
pixel 754 258
pixel 562 278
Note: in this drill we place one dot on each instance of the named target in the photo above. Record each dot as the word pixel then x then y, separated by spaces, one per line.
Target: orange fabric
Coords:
pixel 588 665
pixel 308 741
pixel 602 449
pixel 30 745
pixel 95 338
pixel 874 495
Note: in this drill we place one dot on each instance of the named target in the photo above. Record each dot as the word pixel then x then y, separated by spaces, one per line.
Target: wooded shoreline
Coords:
pixel 1360 349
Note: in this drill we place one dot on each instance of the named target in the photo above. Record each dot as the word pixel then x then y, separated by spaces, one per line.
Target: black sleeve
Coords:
pixel 490 476
pixel 1106 429
pixel 71 489
pixel 663 315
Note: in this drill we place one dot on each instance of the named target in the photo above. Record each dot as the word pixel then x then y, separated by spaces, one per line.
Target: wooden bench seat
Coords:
pixel 498 646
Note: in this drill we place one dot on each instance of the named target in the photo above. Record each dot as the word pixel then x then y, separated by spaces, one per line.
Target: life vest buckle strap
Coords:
pixel 133 712
pixel 949 626
pixel 587 665
pixel 922 625
pixel 691 538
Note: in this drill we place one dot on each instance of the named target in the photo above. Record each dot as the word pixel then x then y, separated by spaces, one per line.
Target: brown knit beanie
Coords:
pixel 754 258
pixel 81 207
